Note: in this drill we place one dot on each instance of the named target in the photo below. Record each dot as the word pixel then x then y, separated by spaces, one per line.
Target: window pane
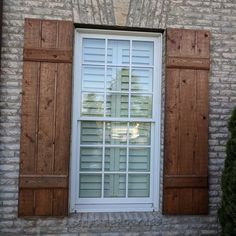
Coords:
pixel 116 133
pixel 139 133
pixel 118 78
pixel 93 50
pixel 118 51
pixel 90 185
pixel 93 78
pixel 91 132
pixel 117 105
pixel 138 185
pixel 142 52
pixel 90 159
pixel 114 185
pixel 141 80
pixel 92 104
pixel 115 159
pixel 141 106
pixel 139 159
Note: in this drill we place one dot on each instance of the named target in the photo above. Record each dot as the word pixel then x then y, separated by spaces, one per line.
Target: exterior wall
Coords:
pixel 217 16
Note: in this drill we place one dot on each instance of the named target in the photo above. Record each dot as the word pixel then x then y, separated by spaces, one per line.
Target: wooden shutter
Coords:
pixel 45 118
pixel 186 122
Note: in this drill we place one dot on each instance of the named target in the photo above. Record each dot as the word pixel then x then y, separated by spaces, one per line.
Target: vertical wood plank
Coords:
pixel 200 201
pixel 203 46
pixel 185 200
pixel 171 201
pixel 173 42
pixel 62 131
pixel 201 163
pixel 172 121
pixel 46 119
pixel 43 198
pixel 187 121
pixel 49 34
pixel 29 117
pixel 26 202
pixel 60 204
pixel 187 43
pixel 32 34
pixel 65 40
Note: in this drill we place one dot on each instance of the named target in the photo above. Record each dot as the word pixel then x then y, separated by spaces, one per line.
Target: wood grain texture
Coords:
pixel 46 119
pixel 43 202
pixel 186 122
pixel 185 181
pixel 26 202
pixel 60 202
pixel 43 181
pixel 172 123
pixel 28 141
pixel 48 55
pixel 46 108
pixel 62 115
pixel 188 63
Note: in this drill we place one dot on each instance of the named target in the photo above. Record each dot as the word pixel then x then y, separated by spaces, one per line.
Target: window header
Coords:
pixel 119 28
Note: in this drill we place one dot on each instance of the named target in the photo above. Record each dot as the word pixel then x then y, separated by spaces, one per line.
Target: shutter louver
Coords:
pixel 45 118
pixel 186 122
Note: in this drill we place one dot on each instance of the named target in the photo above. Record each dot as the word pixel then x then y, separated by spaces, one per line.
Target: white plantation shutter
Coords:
pixel 117 105
pixel 93 78
pixel 142 53
pixel 93 51
pixel 139 185
pixel 116 83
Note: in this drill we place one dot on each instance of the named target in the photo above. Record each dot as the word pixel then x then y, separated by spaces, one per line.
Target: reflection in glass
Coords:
pixel 90 159
pixel 118 51
pixel 141 106
pixel 139 133
pixel 93 50
pixel 91 132
pixel 139 159
pixel 142 52
pixel 138 185
pixel 115 159
pixel 114 185
pixel 93 78
pixel 90 185
pixel 141 80
pixel 92 104
pixel 116 133
pixel 117 105
pixel 117 78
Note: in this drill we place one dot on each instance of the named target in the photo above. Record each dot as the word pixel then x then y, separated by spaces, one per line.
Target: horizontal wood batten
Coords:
pixel 43 181
pixel 48 55
pixel 186 182
pixel 188 63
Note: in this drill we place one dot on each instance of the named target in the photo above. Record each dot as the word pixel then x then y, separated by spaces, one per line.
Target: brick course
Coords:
pixel 217 16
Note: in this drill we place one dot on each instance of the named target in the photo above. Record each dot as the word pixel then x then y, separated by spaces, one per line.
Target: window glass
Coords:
pixel 93 51
pixel 142 53
pixel 115 123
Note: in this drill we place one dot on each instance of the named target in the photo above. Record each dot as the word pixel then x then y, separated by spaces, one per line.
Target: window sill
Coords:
pixel 145 207
pixel 115 219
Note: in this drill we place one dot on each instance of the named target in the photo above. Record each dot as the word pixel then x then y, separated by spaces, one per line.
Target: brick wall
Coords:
pixel 217 16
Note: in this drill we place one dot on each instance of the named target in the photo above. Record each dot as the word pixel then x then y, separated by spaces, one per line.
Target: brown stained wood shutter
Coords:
pixel 186 122
pixel 45 118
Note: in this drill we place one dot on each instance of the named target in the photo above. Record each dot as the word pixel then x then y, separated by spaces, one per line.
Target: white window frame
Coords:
pixel 124 204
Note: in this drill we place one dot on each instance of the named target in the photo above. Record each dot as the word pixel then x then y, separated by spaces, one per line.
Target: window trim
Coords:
pixel 142 204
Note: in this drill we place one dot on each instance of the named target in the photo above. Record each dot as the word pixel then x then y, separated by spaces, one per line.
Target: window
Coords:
pixel 116 121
